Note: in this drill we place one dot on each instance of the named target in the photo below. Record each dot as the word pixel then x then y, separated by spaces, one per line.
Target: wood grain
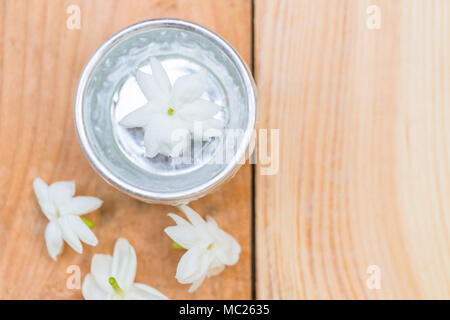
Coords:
pixel 364 178
pixel 40 62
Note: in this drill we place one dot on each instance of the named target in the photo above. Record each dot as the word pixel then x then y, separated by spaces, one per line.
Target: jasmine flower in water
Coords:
pixel 170 108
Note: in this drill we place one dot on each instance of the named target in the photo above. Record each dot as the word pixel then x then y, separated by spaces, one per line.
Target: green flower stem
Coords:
pixel 112 281
pixel 177 246
pixel 88 222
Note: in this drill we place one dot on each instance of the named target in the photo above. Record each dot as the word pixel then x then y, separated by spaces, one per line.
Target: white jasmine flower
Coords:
pixel 209 248
pixel 170 108
pixel 64 213
pixel 112 278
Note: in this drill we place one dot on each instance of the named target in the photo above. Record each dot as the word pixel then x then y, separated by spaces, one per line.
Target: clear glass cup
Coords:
pixel 107 91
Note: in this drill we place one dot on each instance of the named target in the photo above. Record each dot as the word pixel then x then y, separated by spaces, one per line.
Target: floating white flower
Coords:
pixel 170 108
pixel 210 248
pixel 64 213
pixel 112 278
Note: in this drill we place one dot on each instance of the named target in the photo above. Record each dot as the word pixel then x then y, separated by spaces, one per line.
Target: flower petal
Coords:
pixel 139 291
pixel 124 264
pixel 228 250
pixel 163 133
pixel 42 194
pixel 192 265
pixel 161 77
pixel 80 205
pixel 83 232
pixel 60 192
pixel 215 268
pixel 40 189
pixel 53 239
pixel 193 217
pixel 189 88
pixel 178 220
pixel 139 117
pixel 151 142
pixel 199 110
pixel 186 235
pixel 91 290
pixel 196 284
pixel 152 90
pixel 101 267
pixel 212 224
pixel 68 234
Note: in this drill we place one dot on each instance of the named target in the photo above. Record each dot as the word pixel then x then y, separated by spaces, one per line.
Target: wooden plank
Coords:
pixel 40 62
pixel 364 178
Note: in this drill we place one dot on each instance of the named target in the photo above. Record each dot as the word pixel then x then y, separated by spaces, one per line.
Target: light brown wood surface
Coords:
pixel 364 178
pixel 40 63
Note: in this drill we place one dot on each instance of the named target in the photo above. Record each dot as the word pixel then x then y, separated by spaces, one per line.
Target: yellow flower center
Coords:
pixel 170 111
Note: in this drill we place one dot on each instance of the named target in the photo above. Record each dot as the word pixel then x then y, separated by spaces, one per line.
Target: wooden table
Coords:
pixel 363 185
